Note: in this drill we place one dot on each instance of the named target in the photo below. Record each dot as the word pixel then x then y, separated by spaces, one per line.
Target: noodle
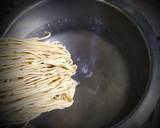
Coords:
pixel 35 78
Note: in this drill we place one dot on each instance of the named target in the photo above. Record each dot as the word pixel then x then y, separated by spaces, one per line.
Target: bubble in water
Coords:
pixel 89 75
pixel 85 69
pixel 78 59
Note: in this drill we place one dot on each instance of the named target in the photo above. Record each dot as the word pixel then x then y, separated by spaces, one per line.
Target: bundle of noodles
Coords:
pixel 35 77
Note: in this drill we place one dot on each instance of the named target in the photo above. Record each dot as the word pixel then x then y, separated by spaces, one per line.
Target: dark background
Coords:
pixel 150 9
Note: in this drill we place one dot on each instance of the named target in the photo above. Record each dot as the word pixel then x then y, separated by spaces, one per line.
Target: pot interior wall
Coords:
pixel 112 59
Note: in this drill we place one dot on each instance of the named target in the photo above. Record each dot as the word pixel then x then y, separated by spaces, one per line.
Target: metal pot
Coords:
pixel 117 55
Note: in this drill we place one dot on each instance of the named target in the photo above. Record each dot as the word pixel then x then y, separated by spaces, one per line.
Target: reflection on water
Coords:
pixel 103 77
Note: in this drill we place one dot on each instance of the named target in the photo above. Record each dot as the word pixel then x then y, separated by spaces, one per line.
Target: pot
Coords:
pixel 117 54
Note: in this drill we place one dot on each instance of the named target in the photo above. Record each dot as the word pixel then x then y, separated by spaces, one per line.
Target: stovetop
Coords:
pixel 150 9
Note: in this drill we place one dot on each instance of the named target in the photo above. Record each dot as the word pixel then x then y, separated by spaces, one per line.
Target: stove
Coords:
pixel 148 8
